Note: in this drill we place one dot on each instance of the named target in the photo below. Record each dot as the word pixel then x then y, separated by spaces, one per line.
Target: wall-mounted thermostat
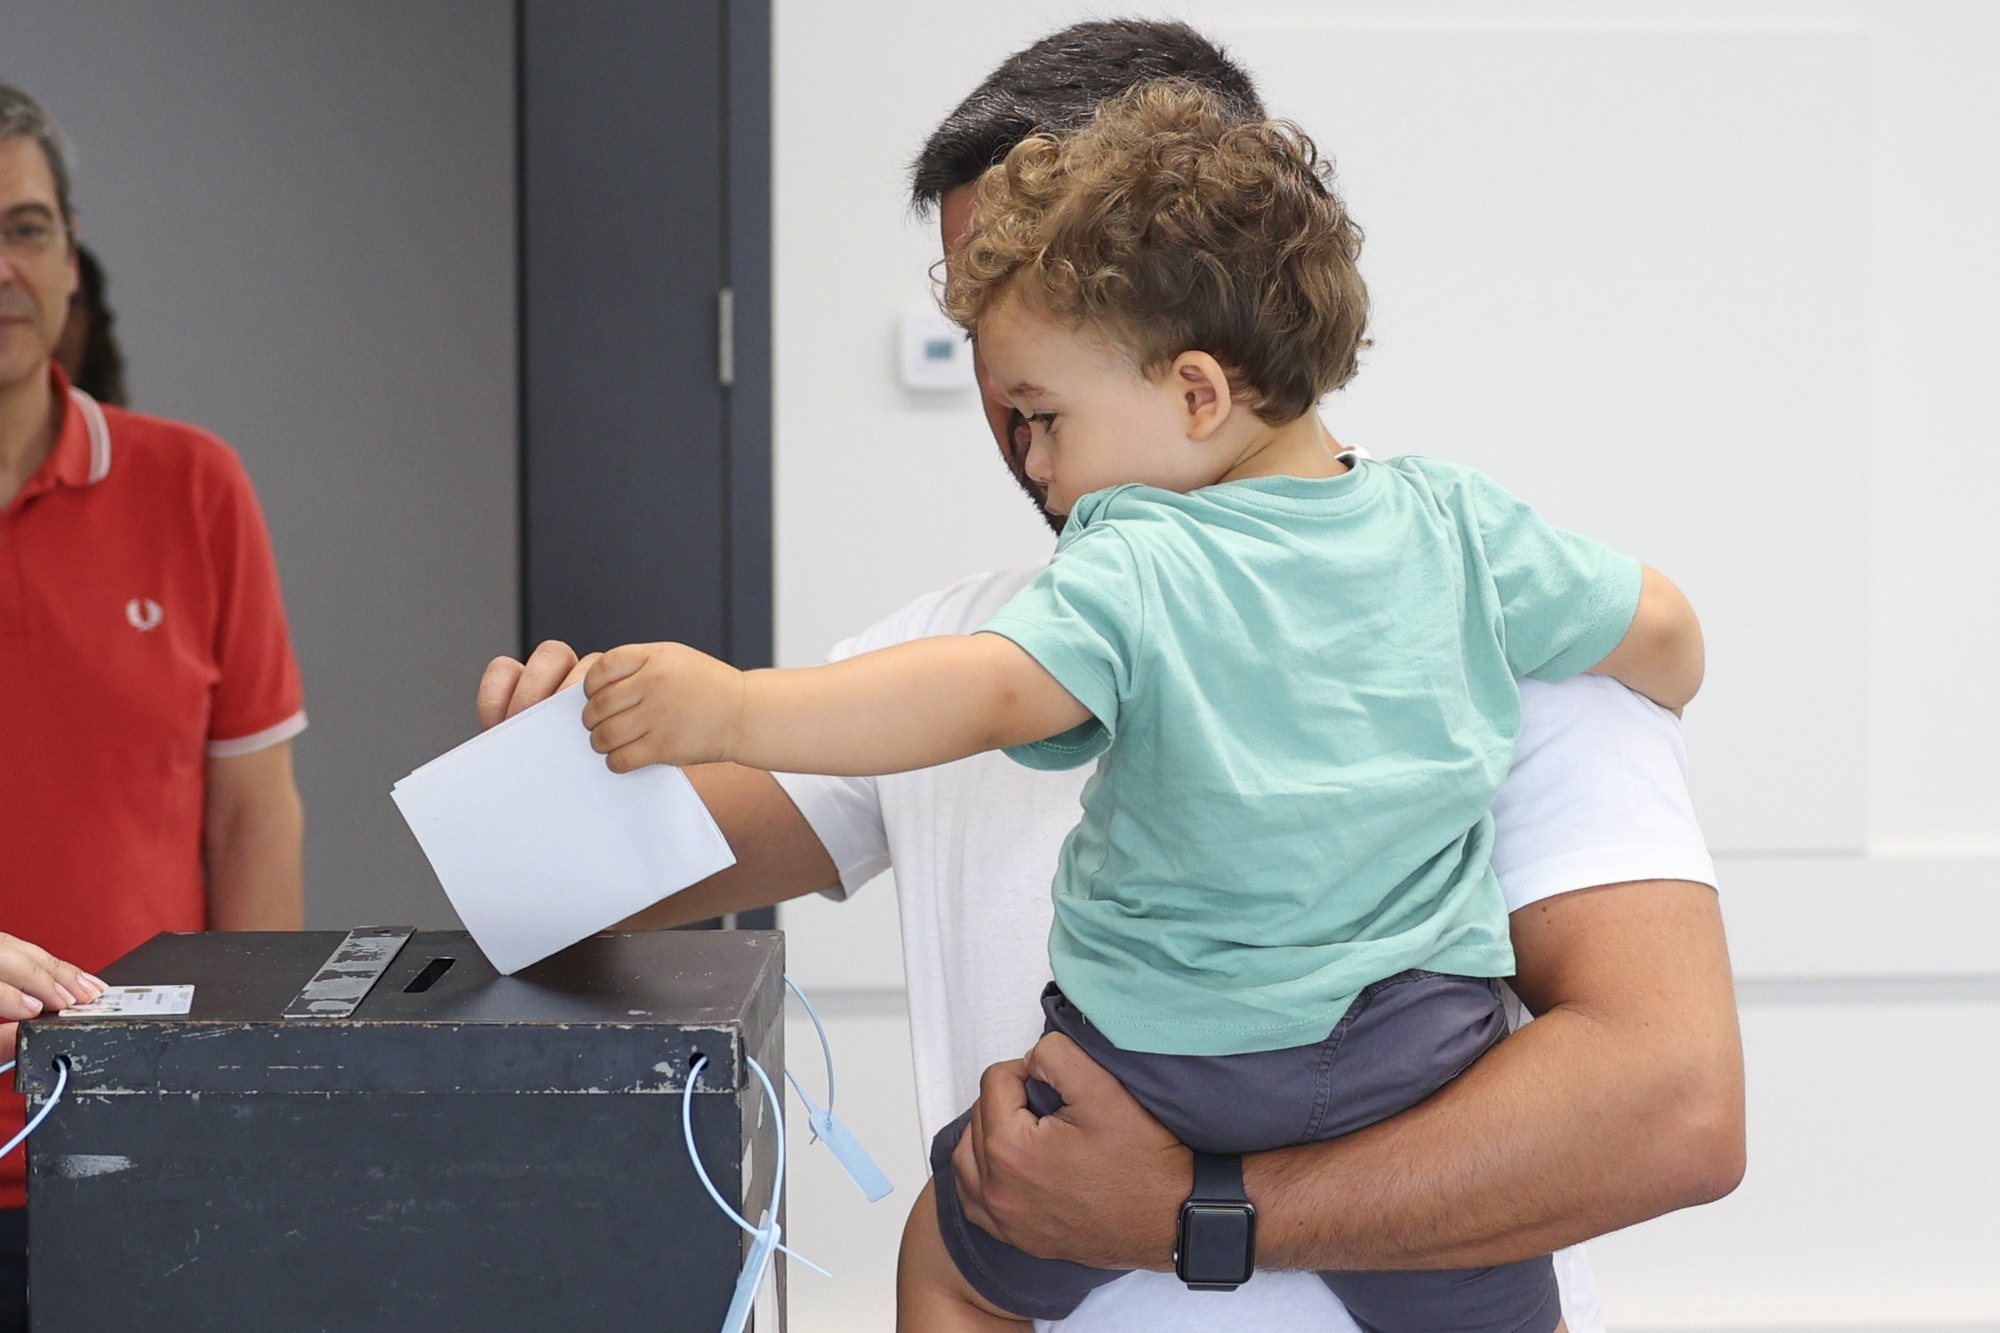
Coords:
pixel 934 352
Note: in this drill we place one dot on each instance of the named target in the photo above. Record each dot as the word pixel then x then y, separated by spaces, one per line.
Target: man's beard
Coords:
pixel 1017 428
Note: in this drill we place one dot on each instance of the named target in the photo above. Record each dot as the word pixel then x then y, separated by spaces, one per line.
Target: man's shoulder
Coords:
pixel 1597 795
pixel 1592 709
pixel 162 432
pixel 957 608
pixel 1453 492
pixel 1592 729
pixel 1440 474
pixel 159 445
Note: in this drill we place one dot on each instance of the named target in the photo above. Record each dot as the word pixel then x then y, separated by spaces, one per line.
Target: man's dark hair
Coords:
pixel 22 117
pixel 1056 85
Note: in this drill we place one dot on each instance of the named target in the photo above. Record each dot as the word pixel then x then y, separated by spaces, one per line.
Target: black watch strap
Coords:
pixel 1218 1178
pixel 1216 1247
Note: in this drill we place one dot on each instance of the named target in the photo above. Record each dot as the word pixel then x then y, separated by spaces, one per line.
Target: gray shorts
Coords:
pixel 1404 1038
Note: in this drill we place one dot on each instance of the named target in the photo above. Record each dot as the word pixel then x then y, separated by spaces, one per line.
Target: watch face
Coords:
pixel 1218 1244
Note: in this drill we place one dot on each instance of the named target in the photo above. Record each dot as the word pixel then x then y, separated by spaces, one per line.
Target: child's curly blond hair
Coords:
pixel 1170 226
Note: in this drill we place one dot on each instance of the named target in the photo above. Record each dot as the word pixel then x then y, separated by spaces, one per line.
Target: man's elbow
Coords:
pixel 1705 1144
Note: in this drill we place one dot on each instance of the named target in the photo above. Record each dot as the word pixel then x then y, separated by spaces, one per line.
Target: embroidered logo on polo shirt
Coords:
pixel 143 613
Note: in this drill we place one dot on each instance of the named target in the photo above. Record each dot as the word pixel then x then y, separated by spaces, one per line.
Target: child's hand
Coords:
pixel 661 703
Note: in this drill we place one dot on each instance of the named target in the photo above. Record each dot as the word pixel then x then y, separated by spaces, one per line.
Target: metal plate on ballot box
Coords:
pixel 345 979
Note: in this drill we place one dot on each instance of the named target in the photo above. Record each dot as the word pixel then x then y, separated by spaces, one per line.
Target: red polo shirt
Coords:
pixel 141 633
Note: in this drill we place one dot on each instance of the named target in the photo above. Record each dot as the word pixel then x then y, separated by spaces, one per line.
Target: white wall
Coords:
pixel 1871 981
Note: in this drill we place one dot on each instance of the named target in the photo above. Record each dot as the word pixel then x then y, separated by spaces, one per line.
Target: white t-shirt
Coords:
pixel 1597 795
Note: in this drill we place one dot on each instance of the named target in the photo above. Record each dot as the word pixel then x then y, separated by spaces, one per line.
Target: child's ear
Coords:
pixel 1204 393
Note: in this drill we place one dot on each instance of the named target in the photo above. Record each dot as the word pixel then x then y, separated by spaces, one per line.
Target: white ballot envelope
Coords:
pixel 538 844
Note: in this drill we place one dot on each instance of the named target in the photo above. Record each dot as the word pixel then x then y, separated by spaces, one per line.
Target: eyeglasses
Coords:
pixel 26 238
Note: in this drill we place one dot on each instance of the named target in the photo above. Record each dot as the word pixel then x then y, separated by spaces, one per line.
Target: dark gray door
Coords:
pixel 644 238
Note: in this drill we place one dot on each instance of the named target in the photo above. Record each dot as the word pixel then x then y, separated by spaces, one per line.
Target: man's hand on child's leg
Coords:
pixel 1100 1182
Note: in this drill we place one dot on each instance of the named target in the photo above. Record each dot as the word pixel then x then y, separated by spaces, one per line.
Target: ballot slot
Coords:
pixel 429 976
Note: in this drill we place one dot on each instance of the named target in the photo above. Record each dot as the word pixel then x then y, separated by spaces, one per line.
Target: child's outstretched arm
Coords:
pixel 1661 654
pixel 905 707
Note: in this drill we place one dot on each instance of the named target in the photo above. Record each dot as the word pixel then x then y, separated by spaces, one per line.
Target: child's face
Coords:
pixel 1096 420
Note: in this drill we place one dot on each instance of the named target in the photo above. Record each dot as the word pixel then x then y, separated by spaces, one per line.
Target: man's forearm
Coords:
pixel 1539 1146
pixel 1624 1100
pixel 778 856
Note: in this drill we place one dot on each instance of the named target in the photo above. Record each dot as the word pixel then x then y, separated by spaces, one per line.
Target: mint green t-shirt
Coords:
pixel 1303 692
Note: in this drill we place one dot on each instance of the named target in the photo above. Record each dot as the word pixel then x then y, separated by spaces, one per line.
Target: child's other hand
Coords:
pixel 661 703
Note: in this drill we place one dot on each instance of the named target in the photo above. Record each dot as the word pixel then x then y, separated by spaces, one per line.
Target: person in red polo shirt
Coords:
pixel 148 692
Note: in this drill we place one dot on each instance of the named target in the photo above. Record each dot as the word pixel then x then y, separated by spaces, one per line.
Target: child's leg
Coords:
pixel 1403 1038
pixel 1006 1279
pixel 931 1294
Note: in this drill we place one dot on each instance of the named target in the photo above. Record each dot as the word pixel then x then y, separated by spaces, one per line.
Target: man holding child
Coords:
pixel 1622 1101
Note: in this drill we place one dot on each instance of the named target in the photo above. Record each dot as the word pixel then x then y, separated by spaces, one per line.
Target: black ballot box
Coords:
pixel 462 1150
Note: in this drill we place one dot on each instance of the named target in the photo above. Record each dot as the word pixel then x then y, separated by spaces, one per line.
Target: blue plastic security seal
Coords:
pixel 765 1237
pixel 752 1277
pixel 828 1128
pixel 62 1081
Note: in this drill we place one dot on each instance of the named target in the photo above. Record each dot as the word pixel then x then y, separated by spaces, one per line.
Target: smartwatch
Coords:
pixel 1216 1248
